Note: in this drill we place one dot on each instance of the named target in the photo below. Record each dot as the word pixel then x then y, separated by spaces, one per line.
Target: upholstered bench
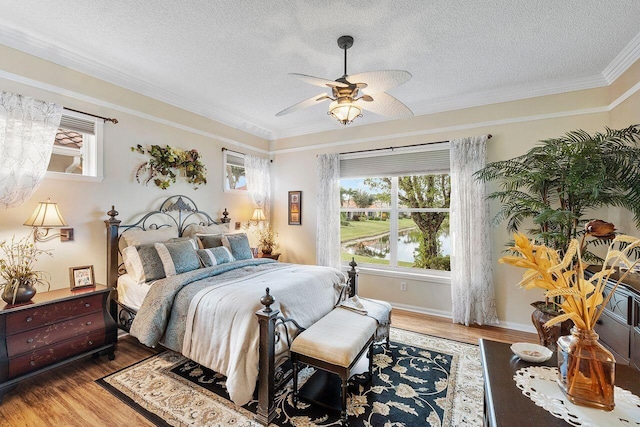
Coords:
pixel 335 343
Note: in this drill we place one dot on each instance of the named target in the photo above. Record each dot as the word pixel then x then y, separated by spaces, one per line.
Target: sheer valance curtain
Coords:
pixel 328 210
pixel 27 132
pixel 258 173
pixel 472 290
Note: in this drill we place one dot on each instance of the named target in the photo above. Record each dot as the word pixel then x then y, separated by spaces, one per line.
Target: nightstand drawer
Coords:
pixel 39 316
pixel 49 355
pixel 51 334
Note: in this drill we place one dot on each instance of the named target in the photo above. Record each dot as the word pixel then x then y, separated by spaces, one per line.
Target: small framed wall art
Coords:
pixel 295 207
pixel 81 277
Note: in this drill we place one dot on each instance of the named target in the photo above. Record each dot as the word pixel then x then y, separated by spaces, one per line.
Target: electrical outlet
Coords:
pixel 403 286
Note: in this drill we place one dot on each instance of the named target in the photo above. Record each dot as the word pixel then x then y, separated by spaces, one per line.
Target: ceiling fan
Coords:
pixel 352 94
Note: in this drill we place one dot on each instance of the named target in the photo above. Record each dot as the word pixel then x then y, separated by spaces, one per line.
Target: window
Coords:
pixel 77 150
pixel 396 219
pixel 234 173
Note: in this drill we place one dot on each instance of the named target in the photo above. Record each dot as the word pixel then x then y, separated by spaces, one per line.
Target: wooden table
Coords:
pixel 504 403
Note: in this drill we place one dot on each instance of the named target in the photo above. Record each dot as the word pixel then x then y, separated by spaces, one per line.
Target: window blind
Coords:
pixel 396 163
pixel 78 124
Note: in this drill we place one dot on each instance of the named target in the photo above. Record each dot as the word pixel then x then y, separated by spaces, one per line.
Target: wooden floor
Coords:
pixel 69 396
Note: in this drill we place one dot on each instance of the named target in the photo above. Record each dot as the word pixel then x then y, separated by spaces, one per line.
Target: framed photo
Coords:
pixel 295 207
pixel 81 277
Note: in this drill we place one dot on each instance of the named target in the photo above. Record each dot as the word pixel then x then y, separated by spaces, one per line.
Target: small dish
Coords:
pixel 531 352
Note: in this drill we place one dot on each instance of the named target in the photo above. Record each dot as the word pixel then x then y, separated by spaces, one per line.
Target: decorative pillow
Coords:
pixel 209 240
pixel 135 236
pixel 143 263
pixel 215 256
pixel 178 257
pixel 238 244
pixel 194 229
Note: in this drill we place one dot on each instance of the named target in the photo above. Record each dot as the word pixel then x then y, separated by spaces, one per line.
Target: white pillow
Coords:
pixel 136 236
pixel 194 229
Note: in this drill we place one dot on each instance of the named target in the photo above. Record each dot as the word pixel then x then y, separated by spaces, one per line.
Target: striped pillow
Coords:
pixel 178 257
pixel 143 262
pixel 215 256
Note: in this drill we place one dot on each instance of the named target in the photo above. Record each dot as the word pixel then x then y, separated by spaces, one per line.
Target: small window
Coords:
pixel 234 173
pixel 77 150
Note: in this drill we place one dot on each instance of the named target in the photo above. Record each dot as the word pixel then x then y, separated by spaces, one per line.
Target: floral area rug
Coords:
pixel 419 381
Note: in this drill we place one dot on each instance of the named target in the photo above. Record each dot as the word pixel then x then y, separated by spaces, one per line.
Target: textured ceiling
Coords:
pixel 230 60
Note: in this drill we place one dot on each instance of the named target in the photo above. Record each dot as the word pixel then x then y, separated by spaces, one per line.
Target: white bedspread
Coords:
pixel 222 328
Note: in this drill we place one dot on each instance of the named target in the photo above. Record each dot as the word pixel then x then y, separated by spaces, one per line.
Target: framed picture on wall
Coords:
pixel 295 207
pixel 81 277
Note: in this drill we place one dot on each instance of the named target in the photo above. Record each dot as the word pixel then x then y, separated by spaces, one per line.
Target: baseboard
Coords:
pixel 522 327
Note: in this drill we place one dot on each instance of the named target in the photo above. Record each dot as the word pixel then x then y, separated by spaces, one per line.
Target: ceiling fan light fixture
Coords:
pixel 344 112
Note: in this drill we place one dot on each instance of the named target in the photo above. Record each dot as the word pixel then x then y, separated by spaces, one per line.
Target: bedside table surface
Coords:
pixel 55 295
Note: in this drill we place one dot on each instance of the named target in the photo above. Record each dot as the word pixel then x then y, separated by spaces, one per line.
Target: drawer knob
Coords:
pixel 89 323
pixel 599 322
pixel 90 342
pixel 29 319
pixel 32 363
pixel 30 340
pixel 87 304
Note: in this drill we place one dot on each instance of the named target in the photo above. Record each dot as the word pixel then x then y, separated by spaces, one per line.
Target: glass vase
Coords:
pixel 586 370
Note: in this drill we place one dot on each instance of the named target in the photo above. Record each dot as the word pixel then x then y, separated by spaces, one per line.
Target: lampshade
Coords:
pixel 344 111
pixel 46 215
pixel 258 215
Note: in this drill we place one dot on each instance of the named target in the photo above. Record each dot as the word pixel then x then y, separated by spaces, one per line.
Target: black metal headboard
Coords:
pixel 179 211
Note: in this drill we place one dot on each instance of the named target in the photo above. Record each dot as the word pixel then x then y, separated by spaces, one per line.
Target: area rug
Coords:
pixel 419 381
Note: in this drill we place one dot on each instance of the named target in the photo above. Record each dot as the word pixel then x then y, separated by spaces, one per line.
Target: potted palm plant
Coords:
pixel 552 188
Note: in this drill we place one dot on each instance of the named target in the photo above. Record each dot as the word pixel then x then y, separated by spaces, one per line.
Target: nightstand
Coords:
pixel 54 328
pixel 270 256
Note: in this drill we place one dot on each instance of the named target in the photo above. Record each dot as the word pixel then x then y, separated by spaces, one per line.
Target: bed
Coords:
pixel 232 313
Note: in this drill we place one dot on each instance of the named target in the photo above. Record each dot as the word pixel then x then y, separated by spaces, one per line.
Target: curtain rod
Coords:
pixel 242 154
pixel 106 119
pixel 401 146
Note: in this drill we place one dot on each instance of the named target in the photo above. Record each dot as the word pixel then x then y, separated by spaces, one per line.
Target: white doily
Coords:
pixel 539 384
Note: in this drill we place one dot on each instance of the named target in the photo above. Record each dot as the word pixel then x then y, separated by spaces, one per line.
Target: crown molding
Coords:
pixel 510 94
pixel 476 100
pixel 465 126
pixel 625 59
pixel 95 101
pixel 70 59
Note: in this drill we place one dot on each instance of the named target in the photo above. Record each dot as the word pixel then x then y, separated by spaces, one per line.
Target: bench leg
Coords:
pixel 294 362
pixel 370 354
pixel 343 413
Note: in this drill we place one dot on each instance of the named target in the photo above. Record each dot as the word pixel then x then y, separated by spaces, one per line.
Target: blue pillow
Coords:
pixel 178 257
pixel 238 244
pixel 215 256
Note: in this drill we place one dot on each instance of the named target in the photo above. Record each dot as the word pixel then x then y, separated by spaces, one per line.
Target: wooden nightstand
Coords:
pixel 270 256
pixel 55 328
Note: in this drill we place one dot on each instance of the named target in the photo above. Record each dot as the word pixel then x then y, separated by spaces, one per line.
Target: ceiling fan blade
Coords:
pixel 380 81
pixel 304 104
pixel 388 106
pixel 318 81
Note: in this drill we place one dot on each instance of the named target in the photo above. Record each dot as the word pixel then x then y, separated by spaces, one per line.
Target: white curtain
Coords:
pixel 258 173
pixel 328 210
pixel 472 291
pixel 27 133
